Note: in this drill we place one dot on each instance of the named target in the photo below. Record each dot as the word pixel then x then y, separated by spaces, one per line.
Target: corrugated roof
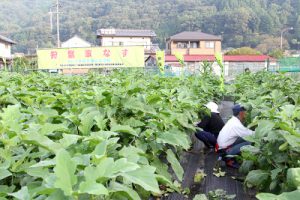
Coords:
pixel 227 58
pixel 5 39
pixel 125 33
pixel 197 35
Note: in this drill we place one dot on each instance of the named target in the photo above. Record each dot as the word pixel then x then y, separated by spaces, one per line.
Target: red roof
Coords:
pixel 247 58
pixel 227 58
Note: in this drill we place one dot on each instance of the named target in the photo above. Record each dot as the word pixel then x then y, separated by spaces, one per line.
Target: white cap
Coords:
pixel 212 106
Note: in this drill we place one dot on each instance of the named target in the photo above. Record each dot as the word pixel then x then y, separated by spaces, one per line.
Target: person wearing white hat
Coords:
pixel 211 125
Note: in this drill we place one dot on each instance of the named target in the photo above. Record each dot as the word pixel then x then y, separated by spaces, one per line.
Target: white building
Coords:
pixel 5 50
pixel 75 42
pixel 126 37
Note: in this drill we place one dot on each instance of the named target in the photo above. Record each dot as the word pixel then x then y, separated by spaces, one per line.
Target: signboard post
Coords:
pixel 91 57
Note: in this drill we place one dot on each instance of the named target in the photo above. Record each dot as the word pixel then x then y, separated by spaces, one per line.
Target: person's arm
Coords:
pixel 203 123
pixel 242 131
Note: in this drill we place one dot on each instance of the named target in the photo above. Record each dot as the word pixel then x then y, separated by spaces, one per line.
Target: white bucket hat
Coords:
pixel 212 106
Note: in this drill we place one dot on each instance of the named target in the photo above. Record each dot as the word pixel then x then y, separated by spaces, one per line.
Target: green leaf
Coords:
pixel 4 173
pixel 284 196
pixel 92 187
pixel 175 164
pixel 200 197
pixel 100 150
pixel 144 177
pixel 124 129
pixel 116 187
pixel 293 177
pixel 264 128
pixel 68 140
pixel 174 138
pixel 122 165
pixel 65 172
pixel 22 194
pixel 11 117
pixel 37 172
pixel 257 178
pixel 42 141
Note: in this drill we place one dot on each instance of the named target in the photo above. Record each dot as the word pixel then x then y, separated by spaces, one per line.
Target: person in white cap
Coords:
pixel 211 125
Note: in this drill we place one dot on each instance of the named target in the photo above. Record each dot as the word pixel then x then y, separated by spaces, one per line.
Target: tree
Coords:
pixel 243 51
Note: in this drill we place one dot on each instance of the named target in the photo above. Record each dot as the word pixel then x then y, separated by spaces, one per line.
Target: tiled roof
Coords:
pixel 125 33
pixel 5 39
pixel 197 35
pixel 227 58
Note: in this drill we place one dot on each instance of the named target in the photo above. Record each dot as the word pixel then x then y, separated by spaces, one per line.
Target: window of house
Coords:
pixel 210 45
pixel 182 45
pixel 6 46
pixel 194 45
pixel 121 43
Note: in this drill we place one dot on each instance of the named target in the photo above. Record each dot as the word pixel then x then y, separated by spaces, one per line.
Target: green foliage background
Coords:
pixel 240 22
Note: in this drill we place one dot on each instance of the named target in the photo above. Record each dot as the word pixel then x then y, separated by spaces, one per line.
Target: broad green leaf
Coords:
pixel 144 177
pixel 124 129
pixel 161 168
pixel 175 164
pixel 4 173
pixel 94 188
pixel 48 128
pixel 174 138
pixel 100 150
pixel 87 120
pixel 200 197
pixel 284 196
pixel 11 117
pixel 45 163
pixel 65 172
pixel 133 154
pixel 68 140
pixel 103 169
pixel 42 141
pixel 293 177
pixel 57 195
pixel 264 128
pixel 122 165
pixel 117 187
pixel 22 194
pixel 257 178
pixel 37 172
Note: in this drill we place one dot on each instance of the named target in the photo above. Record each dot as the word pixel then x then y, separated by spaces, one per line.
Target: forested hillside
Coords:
pixel 255 23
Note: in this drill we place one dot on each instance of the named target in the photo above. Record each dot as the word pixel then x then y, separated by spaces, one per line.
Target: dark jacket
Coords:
pixel 212 124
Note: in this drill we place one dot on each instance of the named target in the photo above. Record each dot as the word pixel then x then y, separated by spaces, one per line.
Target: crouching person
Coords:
pixel 211 125
pixel 230 139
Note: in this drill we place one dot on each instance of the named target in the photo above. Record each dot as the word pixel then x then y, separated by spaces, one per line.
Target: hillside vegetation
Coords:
pixel 254 23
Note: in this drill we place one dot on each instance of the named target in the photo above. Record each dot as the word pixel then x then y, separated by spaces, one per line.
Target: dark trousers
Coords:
pixel 235 148
pixel 207 138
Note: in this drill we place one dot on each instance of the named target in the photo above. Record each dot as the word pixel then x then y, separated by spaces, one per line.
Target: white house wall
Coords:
pixel 127 41
pixel 5 50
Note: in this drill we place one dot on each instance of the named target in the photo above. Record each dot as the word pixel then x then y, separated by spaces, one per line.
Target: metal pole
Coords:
pixel 281 39
pixel 57 23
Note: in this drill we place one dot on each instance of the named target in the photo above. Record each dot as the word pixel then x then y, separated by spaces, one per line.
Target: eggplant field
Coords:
pixel 96 137
pixel 121 136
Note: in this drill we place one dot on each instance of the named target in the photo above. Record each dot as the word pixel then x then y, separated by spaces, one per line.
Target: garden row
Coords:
pixel 96 137
pixel 272 164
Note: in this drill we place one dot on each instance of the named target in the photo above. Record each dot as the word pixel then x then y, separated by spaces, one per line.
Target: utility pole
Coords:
pixel 57 5
pixel 57 23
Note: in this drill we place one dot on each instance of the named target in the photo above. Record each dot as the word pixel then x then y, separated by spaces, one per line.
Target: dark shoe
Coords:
pixel 232 163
